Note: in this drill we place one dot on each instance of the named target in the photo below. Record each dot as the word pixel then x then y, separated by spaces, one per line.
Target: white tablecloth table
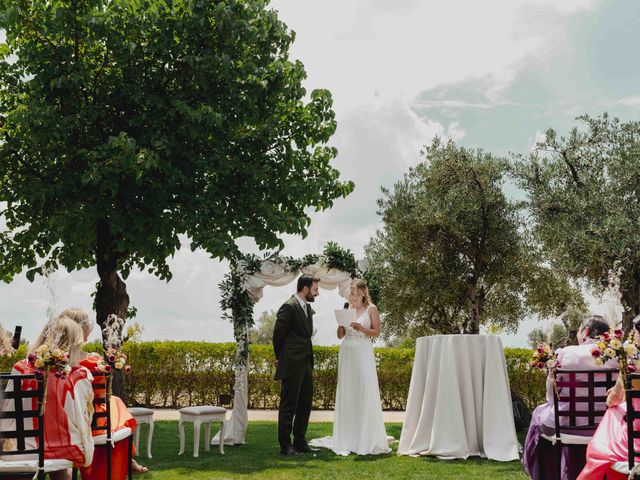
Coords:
pixel 459 402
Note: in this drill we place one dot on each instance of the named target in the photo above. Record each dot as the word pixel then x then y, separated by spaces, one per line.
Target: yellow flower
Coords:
pixel 631 349
pixel 57 352
pixel 39 363
pixel 615 343
pixel 609 352
pixel 536 354
pixel 598 361
pixel 42 348
pixel 118 365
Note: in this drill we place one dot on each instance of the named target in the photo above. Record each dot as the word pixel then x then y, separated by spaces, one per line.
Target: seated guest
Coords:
pixel 120 416
pixel 610 441
pixel 538 457
pixel 68 403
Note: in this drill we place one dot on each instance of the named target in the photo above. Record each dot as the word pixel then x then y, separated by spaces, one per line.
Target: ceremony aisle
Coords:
pixel 259 459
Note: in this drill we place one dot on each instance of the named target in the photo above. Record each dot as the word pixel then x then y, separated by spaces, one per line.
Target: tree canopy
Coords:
pixel 453 253
pixel 126 124
pixel 584 202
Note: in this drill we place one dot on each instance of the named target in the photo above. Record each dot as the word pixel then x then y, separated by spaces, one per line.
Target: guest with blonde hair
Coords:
pixel 67 422
pixel 120 415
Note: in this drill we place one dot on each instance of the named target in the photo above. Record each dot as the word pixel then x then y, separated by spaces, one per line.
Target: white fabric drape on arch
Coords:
pixel 271 274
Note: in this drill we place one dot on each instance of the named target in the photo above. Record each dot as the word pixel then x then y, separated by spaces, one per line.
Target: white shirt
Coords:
pixel 302 303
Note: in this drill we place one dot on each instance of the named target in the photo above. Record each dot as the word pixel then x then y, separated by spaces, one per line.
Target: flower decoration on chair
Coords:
pixel 49 358
pixel 543 357
pixel 613 346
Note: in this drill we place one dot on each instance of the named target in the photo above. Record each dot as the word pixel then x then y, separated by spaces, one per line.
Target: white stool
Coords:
pixel 143 415
pixel 201 415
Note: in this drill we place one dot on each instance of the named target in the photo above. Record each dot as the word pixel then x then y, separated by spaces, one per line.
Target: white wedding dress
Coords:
pixel 358 425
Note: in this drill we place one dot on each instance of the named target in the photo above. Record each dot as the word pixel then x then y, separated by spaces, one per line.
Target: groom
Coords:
pixel 294 365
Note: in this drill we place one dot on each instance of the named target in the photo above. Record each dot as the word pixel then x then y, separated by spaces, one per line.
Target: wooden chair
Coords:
pixel 22 423
pixel 571 384
pixel 102 422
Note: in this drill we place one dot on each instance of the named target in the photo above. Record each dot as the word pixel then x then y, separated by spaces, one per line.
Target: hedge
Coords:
pixel 175 374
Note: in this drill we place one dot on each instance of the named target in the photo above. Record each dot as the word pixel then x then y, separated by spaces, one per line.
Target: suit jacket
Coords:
pixel 292 339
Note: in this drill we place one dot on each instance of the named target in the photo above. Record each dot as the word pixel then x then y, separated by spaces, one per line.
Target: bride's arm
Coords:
pixel 341 332
pixel 374 331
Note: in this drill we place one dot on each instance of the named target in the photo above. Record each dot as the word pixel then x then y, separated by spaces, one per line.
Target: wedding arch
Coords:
pixel 243 287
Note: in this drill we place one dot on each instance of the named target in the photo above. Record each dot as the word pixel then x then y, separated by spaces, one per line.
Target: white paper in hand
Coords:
pixel 345 316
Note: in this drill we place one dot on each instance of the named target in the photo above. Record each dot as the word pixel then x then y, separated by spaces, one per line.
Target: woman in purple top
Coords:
pixel 538 457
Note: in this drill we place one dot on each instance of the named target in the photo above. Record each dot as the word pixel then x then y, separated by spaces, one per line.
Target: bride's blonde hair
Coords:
pixel 361 286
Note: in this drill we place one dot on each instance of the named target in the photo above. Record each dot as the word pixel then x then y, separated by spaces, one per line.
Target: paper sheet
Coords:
pixel 345 316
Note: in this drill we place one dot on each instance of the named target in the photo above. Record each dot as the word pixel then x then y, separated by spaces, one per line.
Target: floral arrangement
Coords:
pixel 613 346
pixel 115 357
pixel 49 358
pixel 543 357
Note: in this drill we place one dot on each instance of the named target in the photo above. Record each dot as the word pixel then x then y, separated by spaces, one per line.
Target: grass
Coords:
pixel 259 459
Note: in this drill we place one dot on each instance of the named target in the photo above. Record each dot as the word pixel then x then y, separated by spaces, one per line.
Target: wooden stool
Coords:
pixel 202 415
pixel 143 415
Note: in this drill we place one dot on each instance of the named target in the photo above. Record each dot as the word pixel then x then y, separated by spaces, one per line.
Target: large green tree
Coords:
pixel 452 254
pixel 128 125
pixel 584 199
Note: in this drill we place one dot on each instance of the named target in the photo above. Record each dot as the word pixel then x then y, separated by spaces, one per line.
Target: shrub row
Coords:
pixel 175 374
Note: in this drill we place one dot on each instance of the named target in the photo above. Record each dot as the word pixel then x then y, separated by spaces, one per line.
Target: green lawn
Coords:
pixel 259 458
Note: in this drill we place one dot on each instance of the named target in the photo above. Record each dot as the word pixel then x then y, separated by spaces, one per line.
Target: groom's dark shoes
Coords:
pixel 304 448
pixel 289 450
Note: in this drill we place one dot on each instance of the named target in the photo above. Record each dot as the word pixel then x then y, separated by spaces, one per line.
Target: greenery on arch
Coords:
pixel 236 303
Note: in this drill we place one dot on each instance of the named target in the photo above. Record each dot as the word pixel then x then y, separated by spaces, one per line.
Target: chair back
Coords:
pixel 24 420
pixel 101 422
pixel 581 398
pixel 633 417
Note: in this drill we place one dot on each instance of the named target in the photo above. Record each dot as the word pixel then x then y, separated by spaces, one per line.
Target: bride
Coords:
pixel 358 426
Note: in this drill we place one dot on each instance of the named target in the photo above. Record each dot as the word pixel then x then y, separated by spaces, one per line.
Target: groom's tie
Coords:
pixel 309 316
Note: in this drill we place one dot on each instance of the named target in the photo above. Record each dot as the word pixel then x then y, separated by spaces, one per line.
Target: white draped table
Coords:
pixel 459 401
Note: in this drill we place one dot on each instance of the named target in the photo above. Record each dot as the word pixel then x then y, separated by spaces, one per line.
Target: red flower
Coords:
pixel 127 368
pixel 618 333
pixel 631 368
pixel 606 336
pixel 540 364
pixel 595 352
pixel 107 368
pixel 540 349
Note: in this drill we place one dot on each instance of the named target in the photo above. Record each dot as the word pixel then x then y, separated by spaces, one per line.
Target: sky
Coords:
pixel 493 74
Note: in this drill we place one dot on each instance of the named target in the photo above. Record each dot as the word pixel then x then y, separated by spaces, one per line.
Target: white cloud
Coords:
pixel 631 102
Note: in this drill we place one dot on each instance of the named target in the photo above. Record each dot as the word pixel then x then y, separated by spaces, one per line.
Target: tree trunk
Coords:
pixel 473 326
pixel 630 292
pixel 111 296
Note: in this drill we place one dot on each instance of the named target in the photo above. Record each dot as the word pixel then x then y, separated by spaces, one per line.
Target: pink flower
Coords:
pixel 540 364
pixel 127 368
pixel 107 368
pixel 618 333
pixel 534 364
pixel 31 357
pixel 631 368
pixel 540 349
pixel 595 352
pixel 606 336
pixel 112 358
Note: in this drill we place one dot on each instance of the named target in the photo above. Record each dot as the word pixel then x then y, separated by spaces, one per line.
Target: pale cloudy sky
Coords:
pixel 492 74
